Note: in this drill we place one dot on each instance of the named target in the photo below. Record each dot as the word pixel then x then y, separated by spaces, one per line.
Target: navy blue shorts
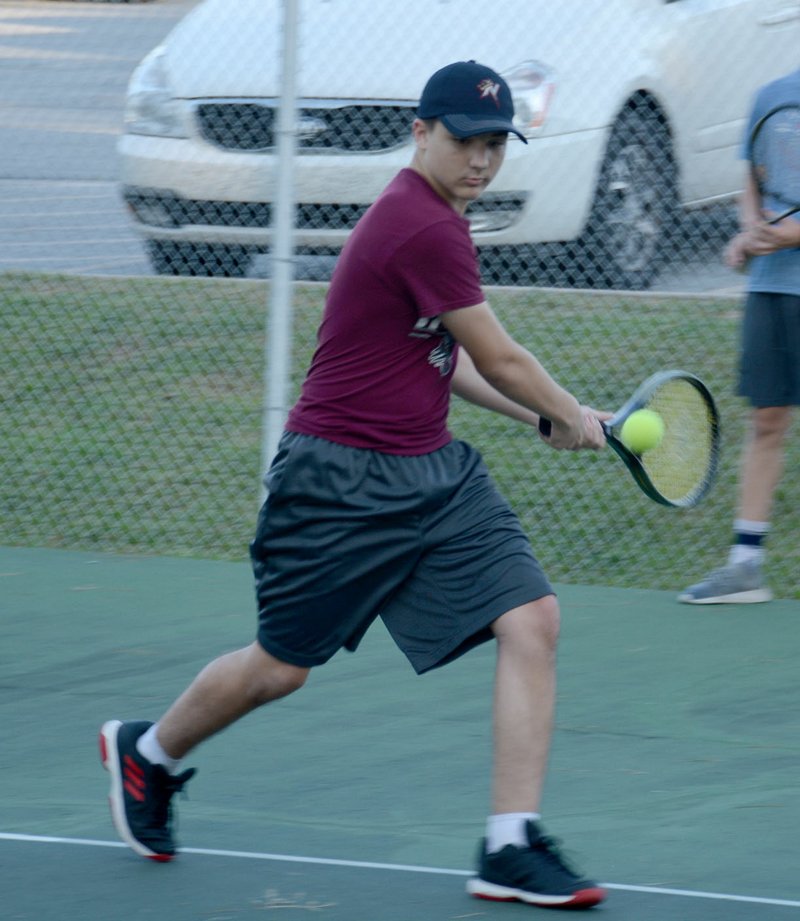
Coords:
pixel 347 535
pixel 769 370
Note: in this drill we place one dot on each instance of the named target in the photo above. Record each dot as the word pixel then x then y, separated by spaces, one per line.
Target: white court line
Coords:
pixel 396 867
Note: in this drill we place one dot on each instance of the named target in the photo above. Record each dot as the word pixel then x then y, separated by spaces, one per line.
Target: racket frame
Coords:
pixel 762 188
pixel 633 461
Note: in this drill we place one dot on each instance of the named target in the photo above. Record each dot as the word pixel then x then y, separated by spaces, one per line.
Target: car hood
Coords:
pixel 355 49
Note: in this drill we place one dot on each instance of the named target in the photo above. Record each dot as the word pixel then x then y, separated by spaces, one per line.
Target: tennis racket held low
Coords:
pixel 680 470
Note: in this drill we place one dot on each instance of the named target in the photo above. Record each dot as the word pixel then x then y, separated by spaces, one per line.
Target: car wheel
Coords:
pixel 635 208
pixel 168 257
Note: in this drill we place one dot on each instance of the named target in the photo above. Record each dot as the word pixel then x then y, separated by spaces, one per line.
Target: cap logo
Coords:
pixel 490 90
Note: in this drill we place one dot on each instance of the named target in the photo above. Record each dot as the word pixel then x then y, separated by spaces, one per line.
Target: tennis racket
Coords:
pixel 681 469
pixel 775 158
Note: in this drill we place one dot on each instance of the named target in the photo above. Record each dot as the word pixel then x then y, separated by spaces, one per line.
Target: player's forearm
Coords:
pixel 511 369
pixel 521 378
pixel 468 384
pixel 750 205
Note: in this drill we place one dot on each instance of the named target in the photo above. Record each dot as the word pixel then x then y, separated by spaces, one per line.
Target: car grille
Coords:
pixel 163 209
pixel 251 126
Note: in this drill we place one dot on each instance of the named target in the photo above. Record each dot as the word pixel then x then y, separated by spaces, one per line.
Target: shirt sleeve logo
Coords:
pixel 441 355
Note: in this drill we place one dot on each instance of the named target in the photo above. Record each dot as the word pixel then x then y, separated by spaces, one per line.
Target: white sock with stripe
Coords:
pixel 750 536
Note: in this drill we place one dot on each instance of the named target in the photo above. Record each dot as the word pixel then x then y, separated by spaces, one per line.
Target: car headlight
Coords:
pixel 532 85
pixel 151 107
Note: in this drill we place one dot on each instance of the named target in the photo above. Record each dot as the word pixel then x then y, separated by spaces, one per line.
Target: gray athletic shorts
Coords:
pixel 346 535
pixel 769 369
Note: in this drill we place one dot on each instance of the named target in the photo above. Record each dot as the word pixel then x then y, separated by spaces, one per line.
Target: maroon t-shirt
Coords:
pixel 380 376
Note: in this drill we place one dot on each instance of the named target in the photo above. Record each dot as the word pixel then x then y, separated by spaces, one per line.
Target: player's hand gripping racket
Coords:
pixel 775 158
pixel 680 469
pixel 775 162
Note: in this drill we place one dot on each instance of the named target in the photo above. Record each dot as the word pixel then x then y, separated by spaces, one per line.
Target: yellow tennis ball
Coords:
pixel 642 431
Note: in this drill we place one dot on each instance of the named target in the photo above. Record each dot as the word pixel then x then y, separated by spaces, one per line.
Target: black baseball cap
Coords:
pixel 469 99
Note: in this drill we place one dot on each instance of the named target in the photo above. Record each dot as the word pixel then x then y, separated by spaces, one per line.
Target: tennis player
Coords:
pixel 374 510
pixel 769 359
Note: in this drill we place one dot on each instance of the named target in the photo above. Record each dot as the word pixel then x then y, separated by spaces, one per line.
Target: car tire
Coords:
pixel 168 257
pixel 635 209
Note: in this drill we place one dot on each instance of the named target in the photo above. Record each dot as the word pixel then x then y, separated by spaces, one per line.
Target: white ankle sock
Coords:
pixel 507 828
pixel 741 553
pixel 149 747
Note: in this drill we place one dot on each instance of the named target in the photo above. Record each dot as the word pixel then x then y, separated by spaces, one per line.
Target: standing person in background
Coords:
pixel 769 368
pixel 375 510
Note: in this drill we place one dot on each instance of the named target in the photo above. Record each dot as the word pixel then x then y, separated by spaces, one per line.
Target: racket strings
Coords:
pixel 682 465
pixel 776 155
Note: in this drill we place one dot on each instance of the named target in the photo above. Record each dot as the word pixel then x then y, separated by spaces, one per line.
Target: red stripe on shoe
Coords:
pixel 135 792
pixel 133 778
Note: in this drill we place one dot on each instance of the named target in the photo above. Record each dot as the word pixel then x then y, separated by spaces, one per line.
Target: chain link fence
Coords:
pixel 137 196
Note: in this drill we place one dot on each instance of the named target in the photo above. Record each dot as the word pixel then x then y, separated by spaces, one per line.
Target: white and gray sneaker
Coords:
pixel 736 583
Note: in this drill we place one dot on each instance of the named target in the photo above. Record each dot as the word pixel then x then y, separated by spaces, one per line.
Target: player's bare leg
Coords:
pixel 530 867
pixel 224 691
pixel 524 701
pixel 741 580
pixel 142 758
pixel 762 461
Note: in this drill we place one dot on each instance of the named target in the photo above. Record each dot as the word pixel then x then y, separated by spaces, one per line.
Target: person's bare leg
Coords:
pixel 524 703
pixel 762 461
pixel 223 692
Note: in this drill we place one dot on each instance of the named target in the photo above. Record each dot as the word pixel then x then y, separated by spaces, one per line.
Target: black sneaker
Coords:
pixel 536 874
pixel 140 791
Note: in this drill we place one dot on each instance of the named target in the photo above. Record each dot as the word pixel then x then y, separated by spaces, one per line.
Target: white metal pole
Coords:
pixel 277 352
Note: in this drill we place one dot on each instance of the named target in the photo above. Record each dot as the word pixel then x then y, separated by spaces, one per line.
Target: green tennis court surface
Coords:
pixel 673 776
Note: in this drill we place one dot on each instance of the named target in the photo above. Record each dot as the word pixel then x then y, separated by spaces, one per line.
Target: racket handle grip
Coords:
pixel 546 427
